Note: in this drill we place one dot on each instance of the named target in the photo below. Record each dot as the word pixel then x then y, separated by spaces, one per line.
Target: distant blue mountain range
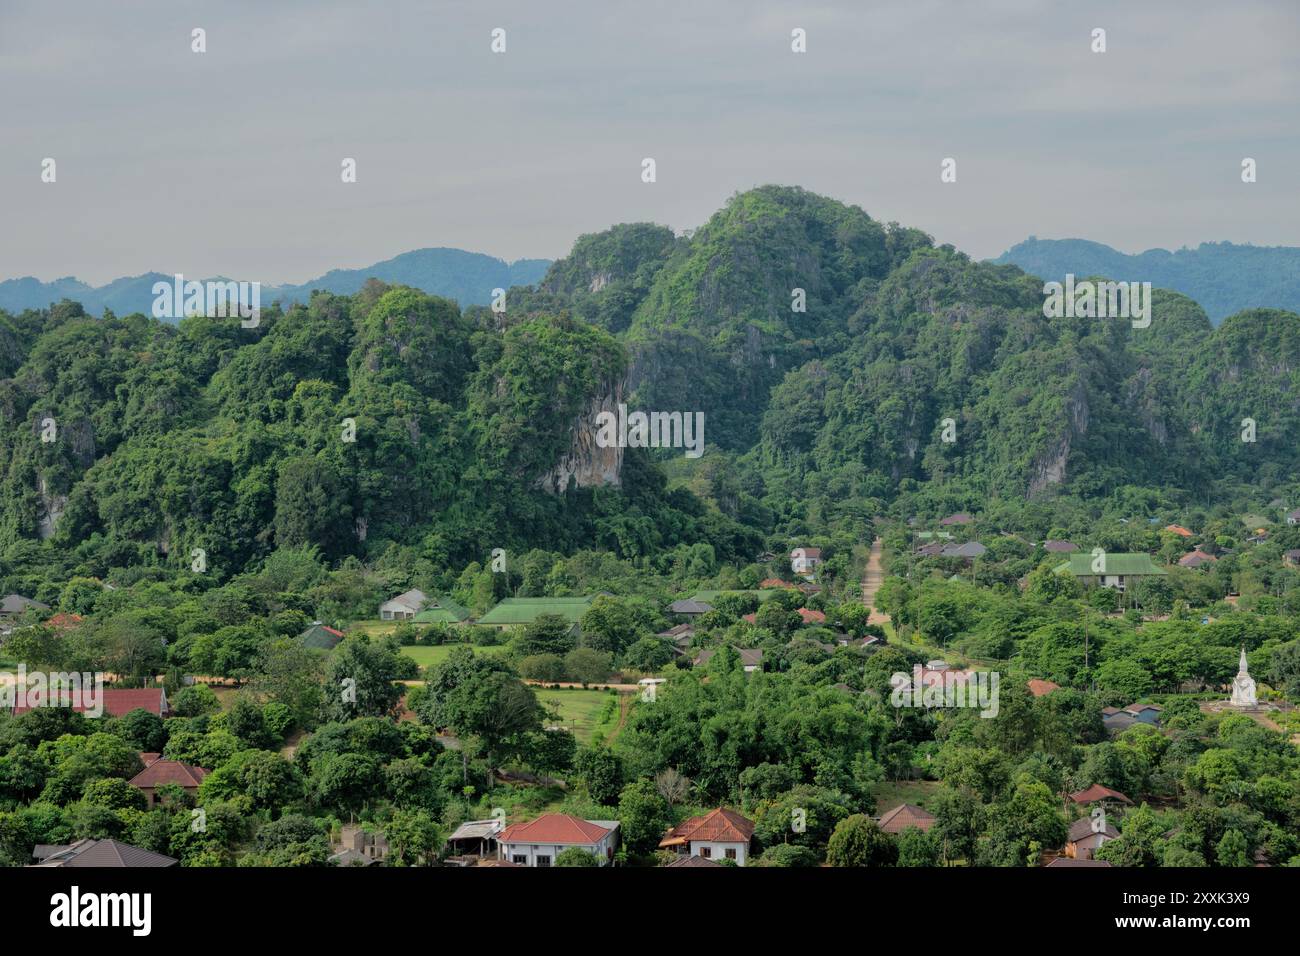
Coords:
pixel 467 277
pixel 1222 277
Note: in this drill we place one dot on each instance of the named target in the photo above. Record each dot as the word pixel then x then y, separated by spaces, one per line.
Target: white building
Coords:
pixel 720 834
pixel 403 607
pixel 538 842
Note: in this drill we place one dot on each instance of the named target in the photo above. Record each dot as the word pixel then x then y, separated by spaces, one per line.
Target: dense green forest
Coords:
pixel 232 440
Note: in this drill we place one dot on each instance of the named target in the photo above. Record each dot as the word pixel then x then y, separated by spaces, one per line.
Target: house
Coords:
pixel 810 616
pixel 538 842
pixel 441 610
pixel 689 607
pixel 158 773
pixel 1116 721
pixel 903 816
pixel 720 834
pixel 513 611
pixel 1292 557
pixel 1059 547
pixel 476 839
pixel 959 518
pixel 931 550
pixel 1196 559
pixel 1066 861
pixel 685 860
pixel 14 605
pixel 360 847
pixel 1098 794
pixel 681 636
pixel 1041 688
pixel 751 658
pixel 403 607
pixel 117 702
pixel 774 583
pixel 1178 530
pixel 1082 840
pixel 1110 570
pixel 968 551
pixel 1293 517
pixel 805 560
pixel 318 637
pixel 1145 713
pixel 97 853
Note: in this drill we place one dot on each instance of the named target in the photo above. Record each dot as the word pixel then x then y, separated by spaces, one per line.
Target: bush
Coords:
pixel 587 666
pixel 543 667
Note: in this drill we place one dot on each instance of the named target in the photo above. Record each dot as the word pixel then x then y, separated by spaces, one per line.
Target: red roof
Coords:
pixel 812 617
pixel 118 702
pixel 556 828
pixel 1098 792
pixel 1178 530
pixel 1040 688
pixel 905 815
pixel 716 826
pixel 169 771
pixel 64 622
pixel 774 583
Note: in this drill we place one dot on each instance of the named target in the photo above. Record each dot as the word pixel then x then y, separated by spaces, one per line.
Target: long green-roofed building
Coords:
pixel 1110 570
pixel 513 611
pixel 441 610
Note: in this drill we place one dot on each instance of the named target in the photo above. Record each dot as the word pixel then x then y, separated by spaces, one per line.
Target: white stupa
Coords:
pixel 1243 686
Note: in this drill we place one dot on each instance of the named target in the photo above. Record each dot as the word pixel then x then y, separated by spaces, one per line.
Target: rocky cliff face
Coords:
pixel 586 464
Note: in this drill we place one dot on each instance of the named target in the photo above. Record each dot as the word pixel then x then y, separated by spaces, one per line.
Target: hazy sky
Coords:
pixel 228 162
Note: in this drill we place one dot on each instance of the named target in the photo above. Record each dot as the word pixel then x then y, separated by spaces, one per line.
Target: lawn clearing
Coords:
pixel 431 655
pixel 916 792
pixel 587 713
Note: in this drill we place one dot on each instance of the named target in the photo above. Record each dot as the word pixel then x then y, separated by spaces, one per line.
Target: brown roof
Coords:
pixel 1082 829
pixel 774 583
pixel 812 617
pixel 693 861
pixel 903 816
pixel 119 702
pixel 749 656
pixel 557 828
pixel 716 826
pixel 148 756
pixel 1178 530
pixel 1040 688
pixel 101 853
pixel 1097 792
pixel 161 772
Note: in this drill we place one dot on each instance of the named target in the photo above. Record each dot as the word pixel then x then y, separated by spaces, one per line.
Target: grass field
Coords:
pixel 915 792
pixel 588 713
pixel 437 653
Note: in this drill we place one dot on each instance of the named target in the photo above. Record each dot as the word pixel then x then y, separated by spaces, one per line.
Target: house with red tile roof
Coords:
pixel 119 702
pixel 1098 794
pixel 1196 559
pixel 811 617
pixel 158 772
pixel 720 834
pixel 538 842
pixel 1178 530
pixel 63 621
pixel 905 815
pixel 1041 688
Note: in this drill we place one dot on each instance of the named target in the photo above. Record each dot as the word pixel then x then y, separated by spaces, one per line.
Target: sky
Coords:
pixel 228 162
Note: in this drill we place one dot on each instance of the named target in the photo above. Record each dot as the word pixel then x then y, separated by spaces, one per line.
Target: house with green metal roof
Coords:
pixel 441 610
pixel 514 611
pixel 1110 570
pixel 319 637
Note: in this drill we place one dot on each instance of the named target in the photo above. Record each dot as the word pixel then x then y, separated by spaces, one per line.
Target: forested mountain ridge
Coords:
pixel 466 277
pixel 469 424
pixel 1223 277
